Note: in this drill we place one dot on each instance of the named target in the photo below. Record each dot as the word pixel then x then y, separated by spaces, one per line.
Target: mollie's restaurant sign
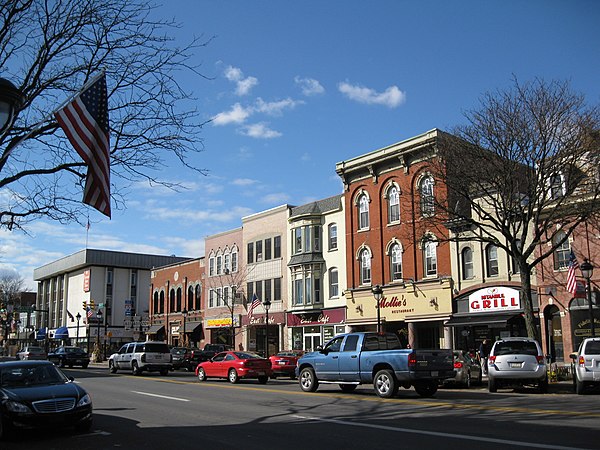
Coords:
pixel 494 299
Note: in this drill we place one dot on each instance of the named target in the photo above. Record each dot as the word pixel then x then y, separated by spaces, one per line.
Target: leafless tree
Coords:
pixel 49 50
pixel 523 173
pixel 11 286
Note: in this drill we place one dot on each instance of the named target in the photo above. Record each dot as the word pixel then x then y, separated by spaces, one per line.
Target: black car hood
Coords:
pixel 34 393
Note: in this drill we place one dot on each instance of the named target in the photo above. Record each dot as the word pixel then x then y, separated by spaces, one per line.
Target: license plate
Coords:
pixel 281 363
pixel 514 365
pixel 261 373
pixel 78 361
pixel 434 373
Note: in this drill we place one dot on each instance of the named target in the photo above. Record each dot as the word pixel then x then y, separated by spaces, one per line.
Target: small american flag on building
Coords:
pixel 571 278
pixel 85 122
pixel 89 312
pixel 254 304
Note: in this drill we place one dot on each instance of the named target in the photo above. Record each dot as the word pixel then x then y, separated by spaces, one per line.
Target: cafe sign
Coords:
pixel 494 299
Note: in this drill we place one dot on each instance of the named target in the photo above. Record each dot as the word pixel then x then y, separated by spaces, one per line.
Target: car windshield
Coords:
pixel 515 348
pixel 592 348
pixel 178 351
pixel 30 375
pixel 74 350
pixel 247 355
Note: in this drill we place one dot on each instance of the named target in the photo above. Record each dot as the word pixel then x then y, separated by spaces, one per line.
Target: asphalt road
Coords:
pixel 178 412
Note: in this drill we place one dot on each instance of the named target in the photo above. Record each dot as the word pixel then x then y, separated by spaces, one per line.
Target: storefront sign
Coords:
pixel 222 322
pixel 494 299
pixel 86 280
pixel 324 317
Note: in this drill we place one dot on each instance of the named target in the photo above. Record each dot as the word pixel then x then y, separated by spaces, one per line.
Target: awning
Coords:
pixel 61 333
pixel 155 329
pixel 41 334
pixel 497 320
pixel 190 327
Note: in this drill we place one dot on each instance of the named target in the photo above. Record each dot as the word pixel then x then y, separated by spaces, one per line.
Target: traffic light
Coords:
pixel 92 305
pixel 84 305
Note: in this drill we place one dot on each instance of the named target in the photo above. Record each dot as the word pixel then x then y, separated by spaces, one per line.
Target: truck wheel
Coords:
pixel 579 386
pixel 111 367
pixel 308 380
pixel 492 386
pixel 347 387
pixel 426 388
pixel 164 372
pixel 385 384
pixel 135 369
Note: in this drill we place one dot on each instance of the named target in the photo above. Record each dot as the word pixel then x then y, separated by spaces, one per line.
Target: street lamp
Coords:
pixel 78 317
pixel 11 98
pixel 378 294
pixel 231 305
pixel 98 323
pixel 267 305
pixel 184 313
pixel 587 270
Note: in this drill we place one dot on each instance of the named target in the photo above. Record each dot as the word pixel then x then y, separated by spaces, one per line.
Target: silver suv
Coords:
pixel 142 356
pixel 586 365
pixel 517 361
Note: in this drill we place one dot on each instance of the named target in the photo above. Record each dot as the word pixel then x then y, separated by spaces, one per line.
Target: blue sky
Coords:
pixel 298 86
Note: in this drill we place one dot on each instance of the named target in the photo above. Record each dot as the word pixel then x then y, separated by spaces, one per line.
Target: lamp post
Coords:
pixel 78 317
pixel 98 323
pixel 267 305
pixel 231 305
pixel 378 294
pixel 587 270
pixel 184 313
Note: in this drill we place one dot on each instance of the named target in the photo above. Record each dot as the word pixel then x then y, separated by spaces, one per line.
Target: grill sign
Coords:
pixel 494 299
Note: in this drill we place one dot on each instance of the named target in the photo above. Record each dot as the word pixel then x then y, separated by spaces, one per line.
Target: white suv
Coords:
pixel 517 361
pixel 142 356
pixel 586 365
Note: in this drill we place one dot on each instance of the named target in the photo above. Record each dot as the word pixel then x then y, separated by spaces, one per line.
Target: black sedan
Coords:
pixel 69 356
pixel 37 394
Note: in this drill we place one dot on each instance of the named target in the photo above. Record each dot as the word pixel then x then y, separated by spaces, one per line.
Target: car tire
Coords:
pixel 308 380
pixel 263 379
pixel 492 385
pixel 348 387
pixel 164 372
pixel 6 429
pixel 385 384
pixel 232 376
pixel 84 366
pixel 201 374
pixel 85 426
pixel 111 367
pixel 480 379
pixel 135 369
pixel 426 388
pixel 543 385
pixel 468 381
pixel 579 386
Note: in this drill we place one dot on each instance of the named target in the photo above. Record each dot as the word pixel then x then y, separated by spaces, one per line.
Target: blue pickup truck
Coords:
pixel 358 358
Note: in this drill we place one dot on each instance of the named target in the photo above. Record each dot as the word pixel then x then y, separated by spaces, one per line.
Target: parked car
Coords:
pixel 517 361
pixel 178 356
pixel 379 358
pixel 586 365
pixel 284 363
pixel 32 352
pixel 69 356
pixel 36 394
pixel 142 357
pixel 211 350
pixel 467 370
pixel 234 366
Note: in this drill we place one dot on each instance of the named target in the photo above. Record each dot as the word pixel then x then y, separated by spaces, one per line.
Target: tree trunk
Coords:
pixel 527 298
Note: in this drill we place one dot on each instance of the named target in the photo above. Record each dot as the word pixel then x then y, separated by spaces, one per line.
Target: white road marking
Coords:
pixel 438 433
pixel 161 396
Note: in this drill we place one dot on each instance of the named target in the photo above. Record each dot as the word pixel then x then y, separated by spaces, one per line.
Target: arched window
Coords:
pixel 393 204
pixel 333 282
pixel 396 262
pixel 332 232
pixel 365 266
pixel 178 299
pixel 430 258
pixel 562 252
pixel 172 300
pixel 491 260
pixel 190 298
pixel 427 199
pixel 197 297
pixel 363 212
pixel 467 263
pixel 155 307
pixel 161 302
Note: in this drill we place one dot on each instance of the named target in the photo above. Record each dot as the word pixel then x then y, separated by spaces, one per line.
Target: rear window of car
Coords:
pixel 381 342
pixel 515 348
pixel 592 348
pixel 34 349
pixel 152 347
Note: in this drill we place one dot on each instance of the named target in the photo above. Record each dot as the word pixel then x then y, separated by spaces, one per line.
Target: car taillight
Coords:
pixel 458 365
pixel 581 361
pixel 492 359
pixel 412 359
pixel 540 359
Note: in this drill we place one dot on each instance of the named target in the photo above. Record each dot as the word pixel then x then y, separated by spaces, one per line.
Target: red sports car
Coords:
pixel 284 363
pixel 235 365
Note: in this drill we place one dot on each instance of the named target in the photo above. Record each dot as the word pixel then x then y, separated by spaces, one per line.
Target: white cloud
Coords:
pixel 278 198
pixel 275 108
pixel 305 157
pixel 391 97
pixel 309 86
pixel 243 85
pixel 259 131
pixel 237 114
pixel 243 182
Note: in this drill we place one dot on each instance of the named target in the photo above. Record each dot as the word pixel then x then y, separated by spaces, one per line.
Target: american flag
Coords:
pixel 85 122
pixel 89 312
pixel 254 304
pixel 571 280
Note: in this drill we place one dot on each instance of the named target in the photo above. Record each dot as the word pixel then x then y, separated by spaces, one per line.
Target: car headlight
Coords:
pixel 85 400
pixel 17 407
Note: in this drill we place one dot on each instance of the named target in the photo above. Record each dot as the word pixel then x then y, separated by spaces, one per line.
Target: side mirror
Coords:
pixel 573 356
pixel 71 379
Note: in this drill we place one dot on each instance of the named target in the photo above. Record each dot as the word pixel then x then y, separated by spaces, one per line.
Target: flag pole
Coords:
pixel 87 229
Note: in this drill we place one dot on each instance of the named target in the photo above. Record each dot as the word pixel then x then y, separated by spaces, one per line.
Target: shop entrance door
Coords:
pixel 312 338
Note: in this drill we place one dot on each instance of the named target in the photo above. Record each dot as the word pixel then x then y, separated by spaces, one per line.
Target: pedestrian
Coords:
pixel 484 351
